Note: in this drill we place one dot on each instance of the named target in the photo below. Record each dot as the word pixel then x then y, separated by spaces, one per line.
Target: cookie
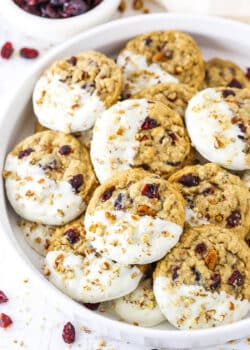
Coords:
pixel 224 73
pixel 217 120
pixel 45 238
pixel 135 217
pixel 140 307
pixel 205 280
pixel 160 57
pixel 49 178
pixel 85 137
pixel 73 92
pixel 175 96
pixel 246 178
pixel 139 133
pixel 91 278
pixel 214 196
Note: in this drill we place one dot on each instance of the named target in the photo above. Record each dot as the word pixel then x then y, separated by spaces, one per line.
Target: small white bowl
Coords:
pixel 55 30
pixel 216 37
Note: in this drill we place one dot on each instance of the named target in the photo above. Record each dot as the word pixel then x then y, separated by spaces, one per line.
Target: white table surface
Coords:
pixel 37 323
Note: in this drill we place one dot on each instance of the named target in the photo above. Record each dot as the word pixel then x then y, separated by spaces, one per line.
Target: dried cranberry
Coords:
pixel 29 53
pixel 236 279
pixel 72 235
pixel 7 50
pixel 148 41
pixel 118 205
pixel 243 127
pixel 189 180
pixel 76 181
pixel 65 150
pixel 50 11
pixel 235 83
pixel 227 92
pixel 92 307
pixel 216 281
pixel 175 273
pixel 107 194
pixel 5 320
pixel 196 273
pixel 52 165
pixel 25 153
pixel 200 248
pixel 173 137
pixel 208 190
pixel 149 123
pixel 248 73
pixel 3 297
pixel 73 60
pixel 74 8
pixel 68 333
pixel 150 191
pixel 234 219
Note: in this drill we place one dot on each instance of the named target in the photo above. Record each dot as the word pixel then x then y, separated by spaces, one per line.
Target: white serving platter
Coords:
pixel 216 37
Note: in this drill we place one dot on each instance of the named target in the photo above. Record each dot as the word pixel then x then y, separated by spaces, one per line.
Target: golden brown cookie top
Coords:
pixel 212 257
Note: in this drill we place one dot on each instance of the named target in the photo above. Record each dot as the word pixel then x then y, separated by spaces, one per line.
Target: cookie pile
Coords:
pixel 135 185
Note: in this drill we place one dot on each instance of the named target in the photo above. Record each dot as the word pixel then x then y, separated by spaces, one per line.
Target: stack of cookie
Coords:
pixel 131 186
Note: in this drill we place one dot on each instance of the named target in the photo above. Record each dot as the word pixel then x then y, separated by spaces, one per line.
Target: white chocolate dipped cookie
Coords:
pixel 135 217
pixel 204 281
pixel 139 133
pixel 73 92
pixel 49 178
pixel 217 120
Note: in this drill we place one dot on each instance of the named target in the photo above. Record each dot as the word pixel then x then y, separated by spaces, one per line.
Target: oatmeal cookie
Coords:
pixel 224 73
pixel 175 96
pixel 135 217
pixel 139 133
pixel 205 280
pixel 217 121
pixel 71 94
pixel 49 178
pixel 160 57
pixel 214 196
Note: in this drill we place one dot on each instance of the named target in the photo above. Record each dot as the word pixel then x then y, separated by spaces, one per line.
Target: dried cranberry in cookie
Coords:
pixel 167 57
pixel 224 73
pixel 139 220
pixel 71 94
pixel 217 121
pixel 140 307
pixel 46 185
pixel 139 133
pixel 214 196
pixel 212 284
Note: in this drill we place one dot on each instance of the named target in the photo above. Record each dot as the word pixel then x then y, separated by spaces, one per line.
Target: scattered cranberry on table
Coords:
pixel 57 8
pixel 3 297
pixel 68 333
pixel 29 53
pixel 7 50
pixel 5 321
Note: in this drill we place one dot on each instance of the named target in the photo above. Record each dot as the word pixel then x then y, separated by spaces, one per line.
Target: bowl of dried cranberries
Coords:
pixel 56 20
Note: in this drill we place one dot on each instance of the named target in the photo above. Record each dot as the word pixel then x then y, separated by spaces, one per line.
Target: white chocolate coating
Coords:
pixel 192 307
pixel 131 239
pixel 209 124
pixel 90 279
pixel 63 107
pixel 150 74
pixel 114 143
pixel 140 306
pixel 37 198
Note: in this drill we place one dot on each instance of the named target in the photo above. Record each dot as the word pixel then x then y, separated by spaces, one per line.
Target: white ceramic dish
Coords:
pixel 56 30
pixel 216 37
